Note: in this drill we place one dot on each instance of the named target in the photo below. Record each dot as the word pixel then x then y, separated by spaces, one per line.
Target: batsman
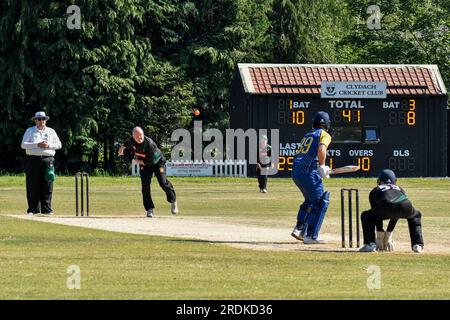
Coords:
pixel 308 170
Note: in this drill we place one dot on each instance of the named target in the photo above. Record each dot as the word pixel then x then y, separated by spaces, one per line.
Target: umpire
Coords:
pixel 389 201
pixel 151 160
pixel 40 143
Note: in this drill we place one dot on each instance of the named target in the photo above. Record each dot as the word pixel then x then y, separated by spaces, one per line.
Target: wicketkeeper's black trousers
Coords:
pixel 403 210
pixel 146 179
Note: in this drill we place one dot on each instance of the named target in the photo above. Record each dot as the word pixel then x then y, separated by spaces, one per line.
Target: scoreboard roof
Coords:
pixel 401 79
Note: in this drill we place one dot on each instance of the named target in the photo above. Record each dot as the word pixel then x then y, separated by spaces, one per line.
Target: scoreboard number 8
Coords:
pixel 406 116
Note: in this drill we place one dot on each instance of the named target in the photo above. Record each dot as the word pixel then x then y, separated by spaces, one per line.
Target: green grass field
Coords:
pixel 35 256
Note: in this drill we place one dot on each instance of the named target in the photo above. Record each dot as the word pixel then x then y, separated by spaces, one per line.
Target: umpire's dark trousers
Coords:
pixel 39 191
pixel 146 179
pixel 403 210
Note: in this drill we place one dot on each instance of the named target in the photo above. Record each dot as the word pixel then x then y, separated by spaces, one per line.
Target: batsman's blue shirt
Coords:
pixel 306 159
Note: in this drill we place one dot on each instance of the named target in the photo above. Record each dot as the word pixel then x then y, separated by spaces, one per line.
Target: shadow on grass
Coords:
pixel 268 243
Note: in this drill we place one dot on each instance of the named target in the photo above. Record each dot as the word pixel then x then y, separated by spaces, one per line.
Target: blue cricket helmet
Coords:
pixel 321 120
pixel 387 176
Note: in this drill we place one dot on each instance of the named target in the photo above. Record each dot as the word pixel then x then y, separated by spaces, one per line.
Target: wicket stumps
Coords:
pixel 83 176
pixel 349 191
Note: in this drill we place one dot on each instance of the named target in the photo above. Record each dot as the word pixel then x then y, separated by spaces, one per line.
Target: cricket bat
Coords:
pixel 344 169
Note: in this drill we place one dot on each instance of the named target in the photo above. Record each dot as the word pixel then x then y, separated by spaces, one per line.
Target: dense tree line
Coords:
pixel 150 63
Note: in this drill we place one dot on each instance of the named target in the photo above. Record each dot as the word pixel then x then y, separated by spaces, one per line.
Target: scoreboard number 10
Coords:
pixel 298 117
pixel 363 163
pixel 289 113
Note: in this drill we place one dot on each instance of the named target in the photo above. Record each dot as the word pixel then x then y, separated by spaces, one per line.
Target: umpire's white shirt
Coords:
pixel 33 136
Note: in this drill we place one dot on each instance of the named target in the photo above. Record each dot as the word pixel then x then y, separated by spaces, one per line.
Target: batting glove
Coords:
pixel 324 171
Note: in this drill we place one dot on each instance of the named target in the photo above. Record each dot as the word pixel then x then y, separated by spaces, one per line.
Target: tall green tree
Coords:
pixel 220 35
pixel 409 32
pixel 95 82
pixel 307 31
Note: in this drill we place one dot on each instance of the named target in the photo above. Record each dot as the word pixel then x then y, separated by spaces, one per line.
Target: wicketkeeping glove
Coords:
pixel 388 241
pixel 380 241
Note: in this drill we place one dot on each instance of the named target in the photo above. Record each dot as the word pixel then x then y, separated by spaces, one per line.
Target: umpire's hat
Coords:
pixel 40 114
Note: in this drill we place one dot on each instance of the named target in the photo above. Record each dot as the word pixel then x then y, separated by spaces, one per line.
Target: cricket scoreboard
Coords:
pixel 372 133
pixel 403 132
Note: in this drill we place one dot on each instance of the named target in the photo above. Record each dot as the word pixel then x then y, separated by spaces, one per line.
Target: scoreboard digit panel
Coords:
pixel 372 133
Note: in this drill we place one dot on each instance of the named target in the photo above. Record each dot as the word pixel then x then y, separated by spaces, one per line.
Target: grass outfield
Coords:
pixel 34 256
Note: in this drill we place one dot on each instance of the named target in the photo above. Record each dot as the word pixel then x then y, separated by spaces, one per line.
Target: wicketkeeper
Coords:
pixel 389 201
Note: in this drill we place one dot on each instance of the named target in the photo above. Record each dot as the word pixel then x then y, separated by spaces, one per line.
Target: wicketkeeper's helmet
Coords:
pixel 387 176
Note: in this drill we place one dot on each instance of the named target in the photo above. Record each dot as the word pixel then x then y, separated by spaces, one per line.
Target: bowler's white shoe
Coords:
pixel 264 191
pixel 371 247
pixel 150 213
pixel 174 207
pixel 417 248
pixel 309 240
pixel 297 234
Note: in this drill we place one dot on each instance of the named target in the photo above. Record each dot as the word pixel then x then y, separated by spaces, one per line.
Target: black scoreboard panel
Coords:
pixel 399 133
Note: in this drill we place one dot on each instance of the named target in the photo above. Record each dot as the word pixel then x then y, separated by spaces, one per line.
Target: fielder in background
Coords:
pixel 151 160
pixel 389 201
pixel 308 170
pixel 264 154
